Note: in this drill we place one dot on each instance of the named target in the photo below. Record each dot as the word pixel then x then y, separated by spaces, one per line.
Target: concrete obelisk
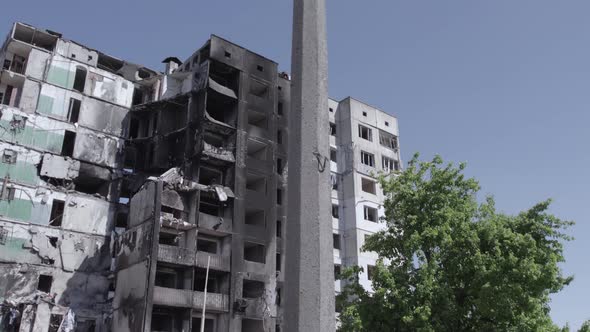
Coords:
pixel 309 277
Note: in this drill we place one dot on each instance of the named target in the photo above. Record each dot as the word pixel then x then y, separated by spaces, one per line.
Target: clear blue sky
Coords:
pixel 503 85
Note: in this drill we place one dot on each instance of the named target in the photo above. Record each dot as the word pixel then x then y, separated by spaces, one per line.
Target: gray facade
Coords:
pixel 121 183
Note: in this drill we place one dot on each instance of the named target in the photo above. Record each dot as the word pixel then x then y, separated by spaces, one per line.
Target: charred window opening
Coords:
pixel 67 148
pixel 336 240
pixel 257 150
pixel 217 282
pixel 252 289
pixel 7 95
pixel 57 212
pixel 256 183
pixel 55 322
pixel 162 322
pixel 204 53
pixel 91 185
pixel 258 89
pixel 209 204
pixel 80 79
pixel 335 211
pixel 257 119
pixel 224 75
pixel 255 217
pixel 278 262
pixel 121 221
pixel 74 110
pixel 207 244
pixel 222 108
pixel 169 277
pixel 279 229
pixel 177 214
pixel 208 176
pixel 254 252
pixel 209 324
pixel 252 325
pixel 134 127
pixel 279 166
pixel 332 129
pixel 138 96
pixel 169 239
pixel 44 283
pixel 279 196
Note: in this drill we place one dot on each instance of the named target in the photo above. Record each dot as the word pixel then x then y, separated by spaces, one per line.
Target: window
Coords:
pixel 7 95
pixel 331 110
pixel 337 270
pixel 279 229
pixel 364 113
pixel 9 156
pixel 260 68
pixel 80 79
pixel 389 164
pixel 44 283
pixel 388 140
pixel 386 124
pixel 279 166
pixel 8 194
pixel 280 108
pixel 74 110
pixel 365 133
pixel 333 155
pixel 370 272
pixel 334 179
pixel 279 137
pixel 370 213
pixel 57 212
pixel 227 55
pixel 279 196
pixel 67 149
pixel 368 158
pixel 209 245
pixel 332 129
pixel 254 252
pixel 334 211
pixel 55 322
pixel 336 238
pixel 278 262
pixel 368 186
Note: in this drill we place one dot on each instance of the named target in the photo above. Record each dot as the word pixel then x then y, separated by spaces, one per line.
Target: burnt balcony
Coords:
pixel 183 256
pixel 186 298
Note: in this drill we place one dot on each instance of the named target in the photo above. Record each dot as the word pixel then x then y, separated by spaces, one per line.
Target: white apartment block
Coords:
pixel 363 143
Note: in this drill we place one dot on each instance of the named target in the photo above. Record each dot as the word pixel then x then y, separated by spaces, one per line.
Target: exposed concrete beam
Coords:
pixel 309 277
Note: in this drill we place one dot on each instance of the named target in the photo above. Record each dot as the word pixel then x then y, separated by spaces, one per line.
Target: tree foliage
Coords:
pixel 449 263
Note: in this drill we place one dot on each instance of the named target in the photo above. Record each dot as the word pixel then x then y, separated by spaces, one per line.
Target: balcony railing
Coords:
pixel 182 256
pixel 186 298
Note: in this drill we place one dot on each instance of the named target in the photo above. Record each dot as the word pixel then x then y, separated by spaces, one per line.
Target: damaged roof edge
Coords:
pixel 243 48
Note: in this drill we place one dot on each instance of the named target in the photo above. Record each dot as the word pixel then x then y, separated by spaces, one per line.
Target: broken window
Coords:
pixel 67 148
pixel 209 176
pixel 388 164
pixel 80 79
pixel 334 180
pixel 258 89
pixel 168 277
pixel 208 204
pixel 279 196
pixel 370 213
pixel 162 322
pixel 8 193
pixel 254 252
pixel 168 239
pixel 260 68
pixel 18 64
pixel 365 133
pixel 213 283
pixel 278 262
pixel 333 155
pixel 7 95
pixel 332 129
pixel 279 137
pixel 209 325
pixel 9 156
pixel 280 108
pixel 74 110
pixel 336 239
pixel 367 159
pixel 207 245
pixel 44 283
pixel 278 302
pixel 255 217
pixel 121 220
pixel 388 140
pixel 279 166
pixel 334 211
pixel 337 270
pixel 257 119
pixel 57 212
pixel 54 322
pixel 279 229
pixel 368 186
pixel 252 289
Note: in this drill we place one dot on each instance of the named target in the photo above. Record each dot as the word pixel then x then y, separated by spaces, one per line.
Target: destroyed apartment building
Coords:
pixel 121 185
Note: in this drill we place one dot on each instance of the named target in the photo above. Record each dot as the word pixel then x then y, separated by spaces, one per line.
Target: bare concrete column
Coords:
pixel 309 277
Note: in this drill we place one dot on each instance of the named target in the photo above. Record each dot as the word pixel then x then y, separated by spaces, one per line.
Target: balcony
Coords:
pixel 219 153
pixel 182 256
pixel 215 224
pixel 186 298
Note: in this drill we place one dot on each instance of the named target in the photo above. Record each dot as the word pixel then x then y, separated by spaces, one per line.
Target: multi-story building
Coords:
pixel 136 200
pixel 363 144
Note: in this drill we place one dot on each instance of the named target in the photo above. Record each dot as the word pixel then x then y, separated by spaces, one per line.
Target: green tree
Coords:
pixel 449 263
